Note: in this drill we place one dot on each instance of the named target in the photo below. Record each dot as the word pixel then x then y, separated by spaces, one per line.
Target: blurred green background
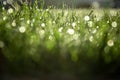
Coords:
pixel 63 44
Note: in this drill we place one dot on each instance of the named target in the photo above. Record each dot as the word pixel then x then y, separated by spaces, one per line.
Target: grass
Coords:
pixel 51 40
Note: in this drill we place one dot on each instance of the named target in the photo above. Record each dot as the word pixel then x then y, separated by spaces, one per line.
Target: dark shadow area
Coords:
pixel 116 3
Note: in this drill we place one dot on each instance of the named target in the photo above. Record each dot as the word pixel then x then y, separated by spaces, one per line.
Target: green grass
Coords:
pixel 62 40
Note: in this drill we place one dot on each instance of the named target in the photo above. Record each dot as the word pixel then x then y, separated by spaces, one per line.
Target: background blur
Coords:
pixel 41 43
pixel 73 3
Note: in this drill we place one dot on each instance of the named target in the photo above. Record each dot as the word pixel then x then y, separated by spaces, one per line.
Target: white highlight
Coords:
pixel 110 43
pixel 14 23
pixel 114 24
pixel 86 18
pixel 43 24
pixel 70 31
pixel 22 29
pixel 10 10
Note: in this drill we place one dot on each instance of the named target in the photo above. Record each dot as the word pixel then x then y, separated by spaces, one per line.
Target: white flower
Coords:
pixel 70 31
pixel 68 24
pixel 1 44
pixel 40 17
pixel 108 21
pixel 3 8
pixel 114 24
pixel 91 38
pixel 73 24
pixel 4 2
pixel 110 43
pixel 28 21
pixel 50 37
pixel 97 19
pixel 86 18
pixel 90 23
pixel 4 18
pixel 22 29
pixel 60 29
pixel 43 24
pixel 32 24
pixel 42 33
pixel 97 27
pixel 14 23
pixel 47 10
pixel 10 10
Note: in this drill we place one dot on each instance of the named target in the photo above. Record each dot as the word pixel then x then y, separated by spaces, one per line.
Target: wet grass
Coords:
pixel 51 40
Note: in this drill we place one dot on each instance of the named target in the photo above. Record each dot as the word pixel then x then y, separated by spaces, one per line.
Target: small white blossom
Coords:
pixel 86 18
pixel 60 29
pixel 70 31
pixel 69 24
pixel 90 23
pixel 97 27
pixel 10 10
pixel 50 37
pixel 97 19
pixel 32 24
pixel 43 24
pixel 73 24
pixel 40 17
pixel 3 8
pixel 47 10
pixel 1 44
pixel 22 29
pixel 14 23
pixel 42 33
pixel 114 24
pixel 4 18
pixel 91 38
pixel 108 21
pixel 28 21
pixel 4 2
pixel 110 43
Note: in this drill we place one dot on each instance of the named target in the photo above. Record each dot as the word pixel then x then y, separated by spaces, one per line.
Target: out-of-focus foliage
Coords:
pixel 60 40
